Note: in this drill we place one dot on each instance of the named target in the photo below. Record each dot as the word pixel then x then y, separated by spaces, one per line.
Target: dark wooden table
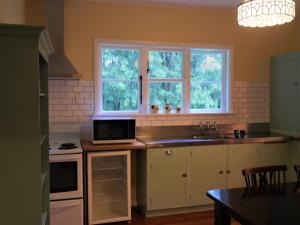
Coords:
pixel 249 207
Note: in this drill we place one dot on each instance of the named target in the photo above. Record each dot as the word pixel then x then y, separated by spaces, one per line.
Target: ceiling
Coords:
pixel 188 3
pixel 222 4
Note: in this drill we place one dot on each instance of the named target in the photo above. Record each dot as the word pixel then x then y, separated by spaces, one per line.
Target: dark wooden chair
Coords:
pixel 265 176
pixel 297 169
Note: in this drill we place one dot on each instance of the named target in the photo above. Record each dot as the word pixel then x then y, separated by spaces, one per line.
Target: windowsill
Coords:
pixel 164 114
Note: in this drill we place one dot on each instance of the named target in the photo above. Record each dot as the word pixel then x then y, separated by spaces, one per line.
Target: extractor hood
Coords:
pixel 60 67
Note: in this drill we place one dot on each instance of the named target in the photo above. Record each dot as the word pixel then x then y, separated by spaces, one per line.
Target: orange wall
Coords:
pixel 12 11
pixel 35 12
pixel 31 12
pixel 85 21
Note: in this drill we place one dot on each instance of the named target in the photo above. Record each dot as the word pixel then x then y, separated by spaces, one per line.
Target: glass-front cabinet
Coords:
pixel 109 195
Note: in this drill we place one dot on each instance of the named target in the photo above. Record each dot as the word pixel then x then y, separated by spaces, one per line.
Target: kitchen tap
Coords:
pixel 208 126
pixel 214 126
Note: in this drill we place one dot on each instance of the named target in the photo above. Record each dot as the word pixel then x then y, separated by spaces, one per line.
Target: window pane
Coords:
pixel 162 93
pixel 120 64
pixel 120 96
pixel 206 79
pixel 206 95
pixel 206 66
pixel 165 64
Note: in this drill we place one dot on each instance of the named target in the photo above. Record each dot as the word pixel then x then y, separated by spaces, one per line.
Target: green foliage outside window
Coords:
pixel 166 93
pixel 165 64
pixel 206 80
pixel 120 72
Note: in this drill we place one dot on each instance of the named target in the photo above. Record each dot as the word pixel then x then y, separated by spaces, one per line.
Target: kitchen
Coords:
pixel 91 27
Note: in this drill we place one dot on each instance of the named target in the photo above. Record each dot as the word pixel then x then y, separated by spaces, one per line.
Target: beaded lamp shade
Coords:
pixel 264 13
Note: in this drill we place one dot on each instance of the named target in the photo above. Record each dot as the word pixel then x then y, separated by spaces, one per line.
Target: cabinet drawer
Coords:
pixel 168 152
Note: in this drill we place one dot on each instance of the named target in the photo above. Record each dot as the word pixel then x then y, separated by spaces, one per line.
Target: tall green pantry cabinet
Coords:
pixel 285 94
pixel 24 171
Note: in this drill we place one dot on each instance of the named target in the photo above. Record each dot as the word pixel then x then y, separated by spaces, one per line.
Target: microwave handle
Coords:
pixel 141 89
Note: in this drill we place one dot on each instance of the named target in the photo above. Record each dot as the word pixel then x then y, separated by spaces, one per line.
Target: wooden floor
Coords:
pixel 199 218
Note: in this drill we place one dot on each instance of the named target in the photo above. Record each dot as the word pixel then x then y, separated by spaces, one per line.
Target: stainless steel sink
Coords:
pixel 213 137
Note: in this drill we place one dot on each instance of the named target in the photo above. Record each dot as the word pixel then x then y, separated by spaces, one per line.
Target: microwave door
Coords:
pixel 113 131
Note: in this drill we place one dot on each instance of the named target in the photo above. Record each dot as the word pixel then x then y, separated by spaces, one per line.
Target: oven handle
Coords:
pixel 65 158
pixel 61 205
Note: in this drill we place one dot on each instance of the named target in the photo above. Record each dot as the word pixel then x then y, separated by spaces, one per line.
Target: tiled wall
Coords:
pixel 72 101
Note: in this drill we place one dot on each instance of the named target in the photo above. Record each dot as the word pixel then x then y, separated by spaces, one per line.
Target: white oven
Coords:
pixel 66 182
pixel 66 176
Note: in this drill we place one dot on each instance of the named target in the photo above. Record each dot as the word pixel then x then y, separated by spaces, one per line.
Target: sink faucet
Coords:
pixel 209 126
pixel 214 126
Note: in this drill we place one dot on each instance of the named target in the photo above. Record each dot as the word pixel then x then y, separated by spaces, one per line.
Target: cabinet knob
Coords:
pixel 228 171
pixel 221 172
pixel 169 152
pixel 184 175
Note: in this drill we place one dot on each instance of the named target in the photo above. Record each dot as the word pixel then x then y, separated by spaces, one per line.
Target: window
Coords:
pixel 207 80
pixel 165 78
pixel 120 79
pixel 129 78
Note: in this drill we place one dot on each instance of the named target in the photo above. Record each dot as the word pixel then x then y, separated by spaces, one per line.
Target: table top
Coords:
pixel 261 207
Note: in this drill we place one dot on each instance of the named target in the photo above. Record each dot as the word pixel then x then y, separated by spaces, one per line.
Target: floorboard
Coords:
pixel 199 218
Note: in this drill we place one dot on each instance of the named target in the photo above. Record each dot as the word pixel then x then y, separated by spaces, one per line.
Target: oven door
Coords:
pixel 65 176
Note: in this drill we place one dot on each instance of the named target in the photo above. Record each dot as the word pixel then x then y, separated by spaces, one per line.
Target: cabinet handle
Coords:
pixel 228 171
pixel 184 175
pixel 169 152
pixel 221 172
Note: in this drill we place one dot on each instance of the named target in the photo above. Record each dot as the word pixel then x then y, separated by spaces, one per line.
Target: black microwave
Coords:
pixel 110 130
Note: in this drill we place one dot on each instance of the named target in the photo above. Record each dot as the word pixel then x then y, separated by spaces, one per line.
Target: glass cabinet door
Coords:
pixel 109 197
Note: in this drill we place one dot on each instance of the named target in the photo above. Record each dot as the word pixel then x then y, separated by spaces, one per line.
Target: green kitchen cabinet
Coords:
pixel 24 125
pixel 175 180
pixel 168 176
pixel 276 154
pixel 285 94
pixel 207 166
pixel 295 158
pixel 241 156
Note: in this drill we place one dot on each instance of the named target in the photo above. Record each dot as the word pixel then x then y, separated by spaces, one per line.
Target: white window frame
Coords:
pixel 224 96
pixel 182 80
pixel 144 48
pixel 99 80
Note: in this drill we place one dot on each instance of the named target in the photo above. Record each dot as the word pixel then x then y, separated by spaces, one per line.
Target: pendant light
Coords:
pixel 264 13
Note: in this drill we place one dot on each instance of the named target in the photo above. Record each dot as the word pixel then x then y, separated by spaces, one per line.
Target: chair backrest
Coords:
pixel 297 169
pixel 264 176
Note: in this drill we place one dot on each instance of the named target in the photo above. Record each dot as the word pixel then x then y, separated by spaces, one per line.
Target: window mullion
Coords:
pixel 153 80
pixel 187 94
pixel 224 81
pixel 144 65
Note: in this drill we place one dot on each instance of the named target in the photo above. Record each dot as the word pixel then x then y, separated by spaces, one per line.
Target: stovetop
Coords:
pixel 64 143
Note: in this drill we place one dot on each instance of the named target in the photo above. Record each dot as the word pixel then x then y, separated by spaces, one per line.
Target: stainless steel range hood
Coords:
pixel 60 66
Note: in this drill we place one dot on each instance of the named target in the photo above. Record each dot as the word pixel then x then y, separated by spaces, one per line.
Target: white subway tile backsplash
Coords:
pixel 72 83
pixel 72 101
pixel 59 107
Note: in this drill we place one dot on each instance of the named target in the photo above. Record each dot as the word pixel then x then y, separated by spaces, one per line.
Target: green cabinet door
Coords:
pixel 285 96
pixel 241 156
pixel 295 158
pixel 297 110
pixel 167 186
pixel 275 154
pixel 206 170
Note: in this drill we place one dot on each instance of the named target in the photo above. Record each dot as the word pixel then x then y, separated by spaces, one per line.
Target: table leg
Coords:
pixel 221 216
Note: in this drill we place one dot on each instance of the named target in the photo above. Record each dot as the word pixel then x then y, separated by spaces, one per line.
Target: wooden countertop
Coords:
pixel 89 146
